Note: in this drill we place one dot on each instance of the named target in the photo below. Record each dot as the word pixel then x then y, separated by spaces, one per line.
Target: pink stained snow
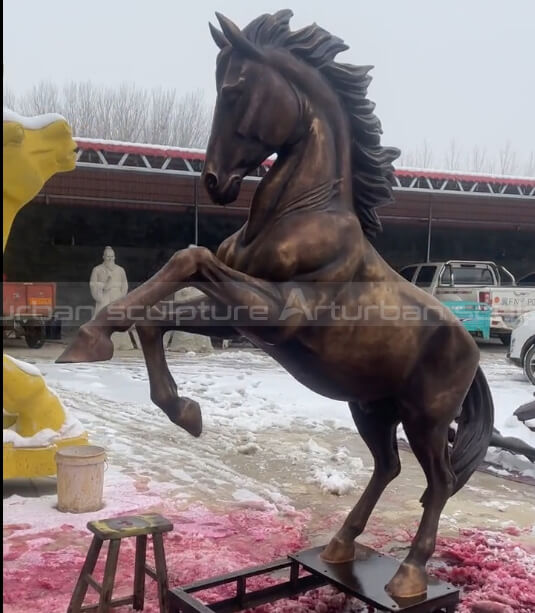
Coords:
pixel 41 568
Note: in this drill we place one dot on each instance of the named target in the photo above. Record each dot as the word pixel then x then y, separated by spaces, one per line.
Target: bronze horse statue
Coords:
pixel 304 249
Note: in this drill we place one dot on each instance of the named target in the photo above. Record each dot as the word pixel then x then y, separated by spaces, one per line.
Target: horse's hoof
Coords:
pixel 90 345
pixel 409 582
pixel 189 416
pixel 338 552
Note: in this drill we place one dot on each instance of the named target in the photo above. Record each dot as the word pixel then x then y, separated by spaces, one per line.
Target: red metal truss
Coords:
pixel 157 158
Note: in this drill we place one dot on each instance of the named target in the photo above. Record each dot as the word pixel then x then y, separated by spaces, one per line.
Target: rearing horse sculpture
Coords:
pixel 304 249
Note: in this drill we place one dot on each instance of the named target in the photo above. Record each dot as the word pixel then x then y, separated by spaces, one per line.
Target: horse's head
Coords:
pixel 256 114
pixel 275 87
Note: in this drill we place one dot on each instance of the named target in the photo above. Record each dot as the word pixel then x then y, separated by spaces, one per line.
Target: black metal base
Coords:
pixel 364 578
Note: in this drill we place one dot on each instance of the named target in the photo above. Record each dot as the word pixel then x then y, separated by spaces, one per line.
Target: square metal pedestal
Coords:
pixel 364 578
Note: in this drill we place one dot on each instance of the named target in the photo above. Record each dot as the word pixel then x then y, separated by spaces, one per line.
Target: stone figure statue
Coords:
pixel 108 281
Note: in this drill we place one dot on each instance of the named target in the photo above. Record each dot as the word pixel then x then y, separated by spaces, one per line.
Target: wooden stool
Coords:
pixel 114 530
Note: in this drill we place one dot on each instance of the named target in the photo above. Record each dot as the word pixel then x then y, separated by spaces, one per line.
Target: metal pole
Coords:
pixel 195 202
pixel 429 230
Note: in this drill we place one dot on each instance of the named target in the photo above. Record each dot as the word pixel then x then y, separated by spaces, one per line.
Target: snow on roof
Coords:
pixel 462 175
pixel 144 148
pixel 199 154
pixel 141 148
pixel 32 123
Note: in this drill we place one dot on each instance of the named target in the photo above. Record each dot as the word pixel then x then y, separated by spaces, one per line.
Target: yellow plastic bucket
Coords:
pixel 80 478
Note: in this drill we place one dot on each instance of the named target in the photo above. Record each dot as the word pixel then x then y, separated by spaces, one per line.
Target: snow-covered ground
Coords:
pixel 247 390
pixel 242 393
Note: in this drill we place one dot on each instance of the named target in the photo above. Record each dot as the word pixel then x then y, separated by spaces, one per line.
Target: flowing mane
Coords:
pixel 372 169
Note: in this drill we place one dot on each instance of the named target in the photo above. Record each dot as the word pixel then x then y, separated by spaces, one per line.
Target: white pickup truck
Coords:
pixel 471 281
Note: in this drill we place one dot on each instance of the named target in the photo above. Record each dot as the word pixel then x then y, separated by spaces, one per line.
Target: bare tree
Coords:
pixel 42 98
pixel 422 157
pixel 10 99
pixel 529 169
pixel 192 120
pixel 477 160
pixel 103 127
pixel 157 127
pixel 452 158
pixel 126 112
pixel 79 103
pixel 406 158
pixel 507 159
pixel 129 110
pixel 490 166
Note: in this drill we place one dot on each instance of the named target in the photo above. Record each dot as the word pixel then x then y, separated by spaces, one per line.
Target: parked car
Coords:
pixel 527 280
pixel 522 350
pixel 475 282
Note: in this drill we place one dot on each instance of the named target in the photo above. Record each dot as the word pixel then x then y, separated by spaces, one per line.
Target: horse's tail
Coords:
pixel 474 430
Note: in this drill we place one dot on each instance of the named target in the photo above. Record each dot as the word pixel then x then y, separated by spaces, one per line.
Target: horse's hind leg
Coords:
pixel 377 425
pixel 428 438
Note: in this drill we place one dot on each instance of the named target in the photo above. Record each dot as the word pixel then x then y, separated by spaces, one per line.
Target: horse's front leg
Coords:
pixel 194 266
pixel 182 411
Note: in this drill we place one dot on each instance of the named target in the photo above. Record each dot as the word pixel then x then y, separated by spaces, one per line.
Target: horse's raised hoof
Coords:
pixel 189 416
pixel 409 582
pixel 339 552
pixel 90 345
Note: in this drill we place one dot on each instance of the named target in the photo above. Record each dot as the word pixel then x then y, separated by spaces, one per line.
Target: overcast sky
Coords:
pixel 444 69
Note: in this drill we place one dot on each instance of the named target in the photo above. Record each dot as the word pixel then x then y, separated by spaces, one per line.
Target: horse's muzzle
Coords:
pixel 222 193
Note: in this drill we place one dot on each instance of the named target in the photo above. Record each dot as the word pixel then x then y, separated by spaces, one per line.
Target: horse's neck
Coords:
pixel 307 173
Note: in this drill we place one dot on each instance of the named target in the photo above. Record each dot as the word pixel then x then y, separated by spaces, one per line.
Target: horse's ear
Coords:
pixel 218 36
pixel 236 38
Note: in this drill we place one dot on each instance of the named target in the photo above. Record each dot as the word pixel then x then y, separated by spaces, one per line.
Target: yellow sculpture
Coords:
pixel 35 148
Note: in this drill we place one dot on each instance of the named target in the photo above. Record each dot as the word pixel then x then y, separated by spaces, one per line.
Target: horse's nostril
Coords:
pixel 210 180
pixel 235 180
